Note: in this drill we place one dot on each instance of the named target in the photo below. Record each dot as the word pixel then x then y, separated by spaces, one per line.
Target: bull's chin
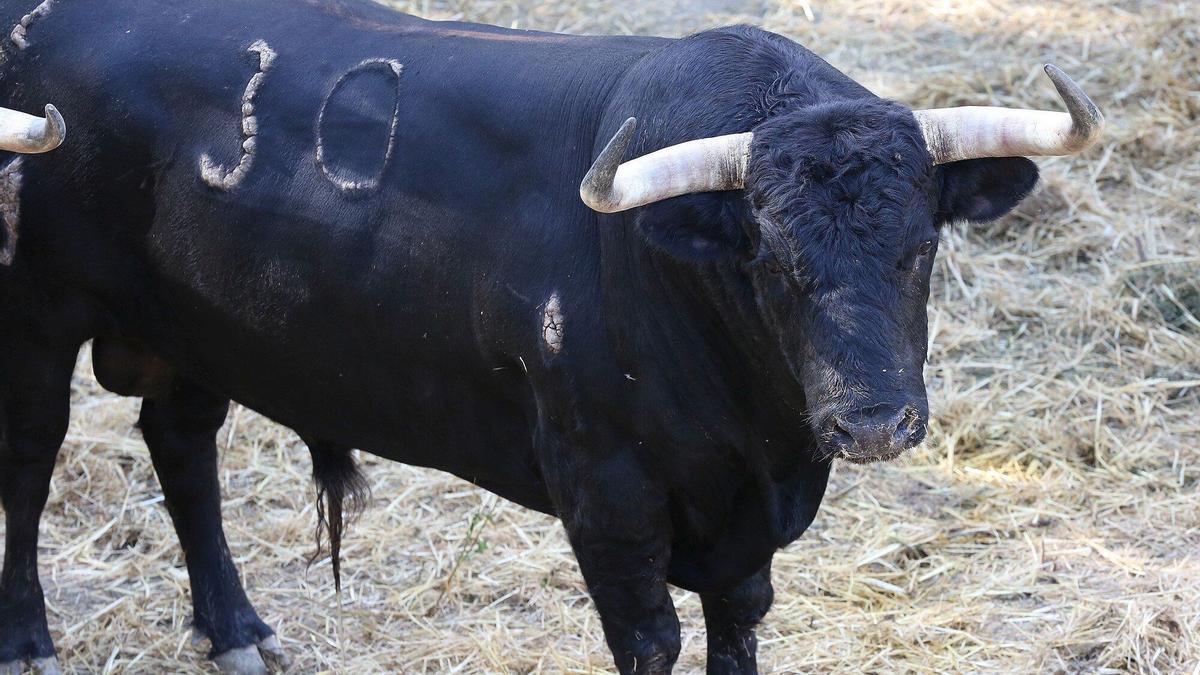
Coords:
pixel 886 456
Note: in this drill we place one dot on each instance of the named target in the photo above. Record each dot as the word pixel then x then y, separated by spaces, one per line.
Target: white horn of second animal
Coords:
pixel 967 132
pixel 24 133
pixel 702 165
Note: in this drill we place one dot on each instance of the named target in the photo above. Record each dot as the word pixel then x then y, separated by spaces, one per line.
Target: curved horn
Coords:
pixel 953 134
pixel 28 134
pixel 702 165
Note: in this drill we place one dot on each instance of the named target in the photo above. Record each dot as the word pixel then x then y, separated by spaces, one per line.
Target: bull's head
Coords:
pixel 838 230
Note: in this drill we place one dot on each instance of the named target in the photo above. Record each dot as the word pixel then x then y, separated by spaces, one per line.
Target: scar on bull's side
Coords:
pixel 552 324
pixel 223 178
pixel 10 208
pixel 20 34
pixel 359 116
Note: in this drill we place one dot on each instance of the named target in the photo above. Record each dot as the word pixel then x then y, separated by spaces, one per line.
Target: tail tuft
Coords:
pixel 338 479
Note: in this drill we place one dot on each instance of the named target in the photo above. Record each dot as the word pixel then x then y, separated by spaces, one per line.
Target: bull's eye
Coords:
pixel 773 266
pixel 926 248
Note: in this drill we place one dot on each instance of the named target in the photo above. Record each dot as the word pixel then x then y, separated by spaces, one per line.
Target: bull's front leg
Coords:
pixel 180 428
pixel 731 618
pixel 617 521
pixel 35 391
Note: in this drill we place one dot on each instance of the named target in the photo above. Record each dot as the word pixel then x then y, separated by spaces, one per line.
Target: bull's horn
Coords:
pixel 702 165
pixel 969 132
pixel 28 134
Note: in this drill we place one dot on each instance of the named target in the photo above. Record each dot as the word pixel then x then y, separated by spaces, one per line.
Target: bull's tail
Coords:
pixel 341 492
pixel 27 134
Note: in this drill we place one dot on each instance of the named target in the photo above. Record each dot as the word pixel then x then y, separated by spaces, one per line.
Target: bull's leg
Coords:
pixel 620 533
pixel 35 390
pixel 730 618
pixel 180 428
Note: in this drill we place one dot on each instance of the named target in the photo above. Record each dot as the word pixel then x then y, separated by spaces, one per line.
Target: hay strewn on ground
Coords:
pixel 1051 523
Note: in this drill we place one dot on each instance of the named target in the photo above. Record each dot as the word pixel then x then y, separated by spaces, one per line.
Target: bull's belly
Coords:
pixel 341 382
pixel 452 424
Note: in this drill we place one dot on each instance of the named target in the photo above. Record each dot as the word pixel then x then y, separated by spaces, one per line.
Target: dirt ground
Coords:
pixel 1051 523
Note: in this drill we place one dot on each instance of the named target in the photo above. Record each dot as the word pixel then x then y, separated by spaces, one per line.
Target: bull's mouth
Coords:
pixel 871 459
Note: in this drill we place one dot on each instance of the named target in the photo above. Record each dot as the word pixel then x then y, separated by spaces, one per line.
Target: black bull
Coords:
pixel 367 227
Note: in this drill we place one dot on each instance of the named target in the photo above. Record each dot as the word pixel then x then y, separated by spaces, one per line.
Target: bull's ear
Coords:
pixel 979 190
pixel 694 227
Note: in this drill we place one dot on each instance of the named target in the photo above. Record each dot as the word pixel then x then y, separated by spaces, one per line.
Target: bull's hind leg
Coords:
pixel 35 390
pixel 731 618
pixel 180 428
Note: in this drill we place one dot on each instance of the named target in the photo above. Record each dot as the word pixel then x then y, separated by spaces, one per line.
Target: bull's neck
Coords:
pixel 697 326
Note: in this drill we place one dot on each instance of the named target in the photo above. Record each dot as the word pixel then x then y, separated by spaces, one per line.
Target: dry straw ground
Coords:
pixel 1051 523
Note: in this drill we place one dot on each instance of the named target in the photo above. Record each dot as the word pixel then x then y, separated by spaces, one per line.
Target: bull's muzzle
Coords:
pixel 873 436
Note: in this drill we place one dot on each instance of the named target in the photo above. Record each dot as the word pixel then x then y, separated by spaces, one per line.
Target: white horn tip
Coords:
pixel 56 128
pixel 1087 122
pixel 596 190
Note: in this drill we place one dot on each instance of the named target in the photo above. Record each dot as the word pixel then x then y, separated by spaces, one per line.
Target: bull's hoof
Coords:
pixel 240 642
pixel 24 635
pixel 241 661
pixel 272 652
pixel 265 657
pixel 45 666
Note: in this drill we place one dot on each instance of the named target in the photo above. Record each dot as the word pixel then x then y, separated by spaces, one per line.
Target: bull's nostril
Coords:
pixel 917 436
pixel 838 433
pixel 911 429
